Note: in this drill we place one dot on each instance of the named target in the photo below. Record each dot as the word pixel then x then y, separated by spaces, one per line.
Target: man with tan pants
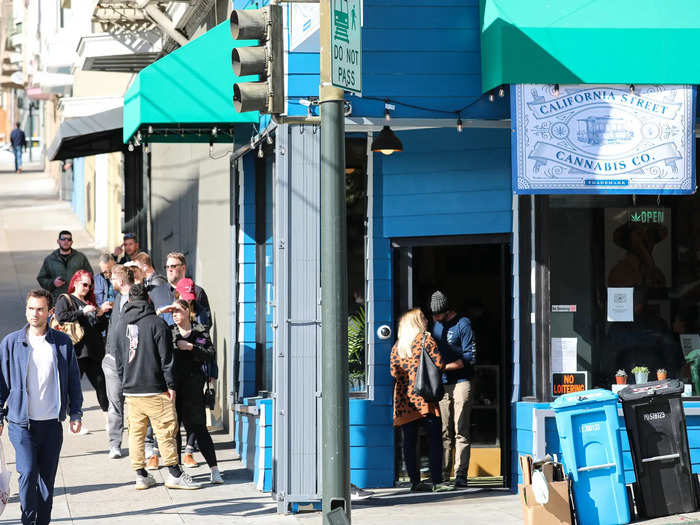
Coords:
pixel 455 340
pixel 145 365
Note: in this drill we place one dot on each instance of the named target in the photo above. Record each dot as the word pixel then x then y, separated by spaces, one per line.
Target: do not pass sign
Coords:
pixel 346 44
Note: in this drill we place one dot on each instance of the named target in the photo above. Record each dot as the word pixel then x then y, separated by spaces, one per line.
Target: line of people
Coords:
pixel 143 341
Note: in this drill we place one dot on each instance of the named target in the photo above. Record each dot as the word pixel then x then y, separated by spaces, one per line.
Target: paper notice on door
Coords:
pixel 620 305
pixel 690 342
pixel 564 354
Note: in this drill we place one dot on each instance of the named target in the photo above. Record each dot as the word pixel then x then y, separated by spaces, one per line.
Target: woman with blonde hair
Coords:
pixel 410 409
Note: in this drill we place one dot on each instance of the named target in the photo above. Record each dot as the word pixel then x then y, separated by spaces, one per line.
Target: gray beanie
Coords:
pixel 438 303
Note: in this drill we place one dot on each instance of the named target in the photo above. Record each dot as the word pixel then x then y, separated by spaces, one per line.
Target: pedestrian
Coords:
pixel 457 347
pixel 18 140
pixel 103 286
pixel 410 410
pixel 60 265
pixel 145 364
pixel 193 347
pixel 164 296
pixel 79 305
pixel 38 366
pixel 151 279
pixel 122 280
pixel 130 247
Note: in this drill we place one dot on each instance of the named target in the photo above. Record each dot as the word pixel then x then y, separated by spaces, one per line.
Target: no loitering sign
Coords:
pixel 346 44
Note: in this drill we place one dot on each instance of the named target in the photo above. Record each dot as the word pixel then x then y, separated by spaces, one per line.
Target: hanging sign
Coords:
pixel 593 138
pixel 566 383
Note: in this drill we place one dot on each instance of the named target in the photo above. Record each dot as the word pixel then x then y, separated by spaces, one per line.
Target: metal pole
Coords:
pixel 334 304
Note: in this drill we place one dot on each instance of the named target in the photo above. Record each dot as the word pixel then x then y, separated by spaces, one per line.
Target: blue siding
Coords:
pixel 448 183
pixel 418 52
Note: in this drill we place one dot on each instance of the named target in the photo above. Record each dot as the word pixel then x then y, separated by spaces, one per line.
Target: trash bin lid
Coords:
pixel 579 398
pixel 654 388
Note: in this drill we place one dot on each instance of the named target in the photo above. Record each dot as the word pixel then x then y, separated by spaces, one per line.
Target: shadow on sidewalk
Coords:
pixel 406 497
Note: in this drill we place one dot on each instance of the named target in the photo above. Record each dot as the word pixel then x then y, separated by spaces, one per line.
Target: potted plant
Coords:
pixel 356 351
pixel 621 377
pixel 661 374
pixel 641 374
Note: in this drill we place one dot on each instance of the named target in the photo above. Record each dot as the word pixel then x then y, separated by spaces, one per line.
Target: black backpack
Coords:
pixel 428 377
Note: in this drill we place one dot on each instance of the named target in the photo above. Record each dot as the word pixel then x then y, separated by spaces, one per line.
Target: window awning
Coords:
pixel 589 42
pixel 190 88
pixel 88 135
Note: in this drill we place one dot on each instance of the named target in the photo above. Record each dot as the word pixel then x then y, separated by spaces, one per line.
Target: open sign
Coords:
pixel 568 382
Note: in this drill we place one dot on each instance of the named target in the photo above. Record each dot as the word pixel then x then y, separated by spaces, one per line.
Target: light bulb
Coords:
pixel 556 90
pixel 492 97
pixel 501 92
pixel 459 125
pixel 150 129
pixel 269 139
pixel 214 131
pixel 631 89
pixel 131 147
pixel 260 152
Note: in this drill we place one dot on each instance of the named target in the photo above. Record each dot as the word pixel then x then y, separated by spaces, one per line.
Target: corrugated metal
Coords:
pixel 297 326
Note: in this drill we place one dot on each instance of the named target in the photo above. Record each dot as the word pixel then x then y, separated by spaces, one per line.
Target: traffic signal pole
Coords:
pixel 334 292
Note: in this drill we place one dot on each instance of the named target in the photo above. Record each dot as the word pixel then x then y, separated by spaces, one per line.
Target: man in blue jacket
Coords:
pixel 455 340
pixel 39 383
pixel 19 142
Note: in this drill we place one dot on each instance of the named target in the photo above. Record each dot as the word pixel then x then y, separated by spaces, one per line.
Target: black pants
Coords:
pixel 433 428
pixel 37 447
pixel 93 370
pixel 206 445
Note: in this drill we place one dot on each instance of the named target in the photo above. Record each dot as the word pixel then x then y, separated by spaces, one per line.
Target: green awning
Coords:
pixel 589 41
pixel 189 88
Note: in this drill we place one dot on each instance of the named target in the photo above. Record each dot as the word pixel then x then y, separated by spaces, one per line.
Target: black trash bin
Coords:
pixel 659 443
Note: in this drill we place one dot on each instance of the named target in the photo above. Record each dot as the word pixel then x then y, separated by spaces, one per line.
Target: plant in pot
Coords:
pixel 641 374
pixel 621 377
pixel 661 374
pixel 356 351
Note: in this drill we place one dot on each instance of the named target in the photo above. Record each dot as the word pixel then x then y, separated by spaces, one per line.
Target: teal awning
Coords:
pixel 190 87
pixel 589 42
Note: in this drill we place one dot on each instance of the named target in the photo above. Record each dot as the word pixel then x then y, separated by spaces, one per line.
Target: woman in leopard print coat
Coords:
pixel 411 410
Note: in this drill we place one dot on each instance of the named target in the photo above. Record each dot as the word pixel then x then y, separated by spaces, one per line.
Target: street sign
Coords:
pixel 566 383
pixel 346 43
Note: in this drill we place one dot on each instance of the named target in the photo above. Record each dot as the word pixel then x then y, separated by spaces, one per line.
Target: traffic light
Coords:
pixel 266 59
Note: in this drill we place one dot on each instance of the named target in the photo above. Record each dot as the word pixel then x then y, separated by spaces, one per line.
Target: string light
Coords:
pixel 214 131
pixel 388 107
pixel 269 139
pixel 260 152
pixel 150 129
pixel 131 146
pixel 556 90
pixel 459 124
pixel 631 89
pixel 501 92
pixel 492 97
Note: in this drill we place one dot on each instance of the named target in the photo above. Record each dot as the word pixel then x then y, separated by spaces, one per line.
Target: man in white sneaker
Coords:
pixel 145 364
pixel 38 366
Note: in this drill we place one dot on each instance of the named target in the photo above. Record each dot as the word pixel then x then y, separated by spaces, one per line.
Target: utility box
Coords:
pixel 589 432
pixel 659 444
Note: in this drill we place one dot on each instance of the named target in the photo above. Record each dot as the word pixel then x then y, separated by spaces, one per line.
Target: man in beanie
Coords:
pixel 455 339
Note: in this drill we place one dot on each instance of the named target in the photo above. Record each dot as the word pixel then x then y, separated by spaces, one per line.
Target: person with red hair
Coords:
pixel 80 305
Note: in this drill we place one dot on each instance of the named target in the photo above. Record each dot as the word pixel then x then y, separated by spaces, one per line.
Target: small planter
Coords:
pixel 621 380
pixel 641 377
pixel 661 376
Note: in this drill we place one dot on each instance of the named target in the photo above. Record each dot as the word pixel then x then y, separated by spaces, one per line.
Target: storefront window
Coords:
pixel 625 285
pixel 356 206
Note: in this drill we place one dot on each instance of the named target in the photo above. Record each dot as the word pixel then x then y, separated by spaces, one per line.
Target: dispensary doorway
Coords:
pixel 474 272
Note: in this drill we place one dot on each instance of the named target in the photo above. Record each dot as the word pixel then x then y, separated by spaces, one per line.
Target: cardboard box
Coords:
pixel 557 511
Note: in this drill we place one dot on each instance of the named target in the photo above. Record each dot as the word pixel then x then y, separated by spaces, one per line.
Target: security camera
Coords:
pixel 384 332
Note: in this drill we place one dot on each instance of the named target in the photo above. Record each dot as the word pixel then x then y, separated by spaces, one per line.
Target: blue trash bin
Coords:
pixel 589 432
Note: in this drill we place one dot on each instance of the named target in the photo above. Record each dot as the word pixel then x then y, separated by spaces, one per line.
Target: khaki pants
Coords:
pixel 160 411
pixel 455 412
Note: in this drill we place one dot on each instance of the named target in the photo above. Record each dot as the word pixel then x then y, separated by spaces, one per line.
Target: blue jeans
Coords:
pixel 37 448
pixel 17 150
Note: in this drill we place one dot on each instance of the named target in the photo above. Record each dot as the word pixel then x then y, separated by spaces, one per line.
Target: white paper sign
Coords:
pixel 564 356
pixel 595 138
pixel 620 305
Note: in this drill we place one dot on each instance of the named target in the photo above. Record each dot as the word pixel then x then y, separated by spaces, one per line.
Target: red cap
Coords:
pixel 185 287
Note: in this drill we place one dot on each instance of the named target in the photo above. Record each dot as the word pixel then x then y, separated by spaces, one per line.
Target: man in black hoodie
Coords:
pixel 146 367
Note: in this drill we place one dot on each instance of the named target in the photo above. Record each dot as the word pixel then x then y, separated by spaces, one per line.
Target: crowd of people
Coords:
pixel 141 338
pixel 451 347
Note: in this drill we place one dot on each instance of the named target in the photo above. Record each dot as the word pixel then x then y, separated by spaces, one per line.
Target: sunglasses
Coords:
pixel 172 266
pixel 85 284
pixel 65 239
pixel 129 236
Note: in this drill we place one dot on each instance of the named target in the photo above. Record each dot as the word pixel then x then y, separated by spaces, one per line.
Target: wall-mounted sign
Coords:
pixel 346 44
pixel 566 383
pixel 603 139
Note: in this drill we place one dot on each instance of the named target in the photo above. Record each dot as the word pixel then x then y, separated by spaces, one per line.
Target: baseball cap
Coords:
pixel 185 287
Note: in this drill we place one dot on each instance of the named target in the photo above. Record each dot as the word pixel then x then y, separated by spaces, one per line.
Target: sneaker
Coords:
pixel 421 487
pixel 442 487
pixel 115 453
pixel 184 482
pixel 189 461
pixel 358 494
pixel 146 482
pixel 461 482
pixel 152 463
pixel 216 477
